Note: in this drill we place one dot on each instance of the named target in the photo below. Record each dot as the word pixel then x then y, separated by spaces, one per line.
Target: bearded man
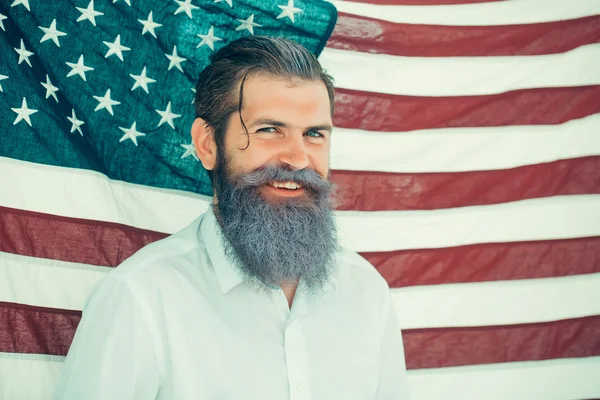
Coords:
pixel 255 299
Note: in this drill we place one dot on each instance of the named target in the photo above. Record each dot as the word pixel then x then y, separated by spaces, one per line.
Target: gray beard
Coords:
pixel 277 243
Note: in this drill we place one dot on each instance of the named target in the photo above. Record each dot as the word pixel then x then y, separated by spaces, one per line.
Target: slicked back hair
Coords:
pixel 220 87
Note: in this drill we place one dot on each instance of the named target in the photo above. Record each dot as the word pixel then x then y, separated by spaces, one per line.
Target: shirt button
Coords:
pixel 300 387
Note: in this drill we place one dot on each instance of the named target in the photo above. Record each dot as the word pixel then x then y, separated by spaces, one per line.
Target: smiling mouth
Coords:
pixel 277 190
pixel 287 185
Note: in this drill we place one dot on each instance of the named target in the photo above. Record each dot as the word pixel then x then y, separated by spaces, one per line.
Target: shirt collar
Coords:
pixel 329 287
pixel 229 276
pixel 210 230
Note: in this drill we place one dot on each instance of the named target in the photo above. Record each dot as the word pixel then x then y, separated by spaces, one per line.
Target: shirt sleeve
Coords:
pixel 112 355
pixel 393 383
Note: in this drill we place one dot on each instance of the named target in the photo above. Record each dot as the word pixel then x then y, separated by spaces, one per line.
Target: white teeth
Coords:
pixel 286 185
pixel 290 185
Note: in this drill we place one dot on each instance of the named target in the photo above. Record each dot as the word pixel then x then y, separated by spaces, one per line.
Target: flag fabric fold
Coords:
pixel 466 152
pixel 112 84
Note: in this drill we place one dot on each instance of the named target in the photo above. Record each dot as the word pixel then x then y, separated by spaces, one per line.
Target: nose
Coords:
pixel 295 153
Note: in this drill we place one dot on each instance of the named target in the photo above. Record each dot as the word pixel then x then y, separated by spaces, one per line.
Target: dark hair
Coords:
pixel 216 98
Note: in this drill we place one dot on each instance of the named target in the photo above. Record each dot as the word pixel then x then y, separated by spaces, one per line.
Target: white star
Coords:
pixel 185 5
pixel 209 39
pixel 106 102
pixel 126 1
pixel 22 2
pixel 230 2
pixel 79 68
pixel 76 123
pixel 116 48
pixel 190 150
pixel 247 24
pixel 141 81
pixel 50 88
pixel 167 116
pixel 149 25
pixel 289 11
pixel 23 113
pixel 2 77
pixel 175 60
pixel 51 33
pixel 131 133
pixel 89 13
pixel 2 18
pixel 24 54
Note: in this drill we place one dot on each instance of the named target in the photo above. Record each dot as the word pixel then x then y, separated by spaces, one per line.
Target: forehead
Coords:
pixel 294 100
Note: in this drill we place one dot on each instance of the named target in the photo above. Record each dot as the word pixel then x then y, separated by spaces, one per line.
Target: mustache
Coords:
pixel 307 178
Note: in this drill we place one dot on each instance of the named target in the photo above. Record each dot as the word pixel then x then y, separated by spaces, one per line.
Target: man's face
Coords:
pixel 289 126
pixel 271 188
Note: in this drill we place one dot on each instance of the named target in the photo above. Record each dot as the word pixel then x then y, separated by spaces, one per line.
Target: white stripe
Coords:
pixel 28 376
pixel 559 217
pixel 88 195
pixel 62 285
pixel 460 76
pixel 464 149
pixel 78 193
pixel 497 303
pixel 496 13
pixel 560 379
pixel 34 377
pixel 46 283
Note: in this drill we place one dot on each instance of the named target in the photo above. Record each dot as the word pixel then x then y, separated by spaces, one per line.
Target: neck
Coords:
pixel 289 289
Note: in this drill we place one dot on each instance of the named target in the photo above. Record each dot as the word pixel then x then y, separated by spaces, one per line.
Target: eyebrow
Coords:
pixel 272 122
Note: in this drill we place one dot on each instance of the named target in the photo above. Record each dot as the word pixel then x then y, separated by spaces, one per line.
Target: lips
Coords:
pixel 289 185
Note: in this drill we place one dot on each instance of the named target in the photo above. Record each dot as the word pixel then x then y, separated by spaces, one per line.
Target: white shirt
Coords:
pixel 177 321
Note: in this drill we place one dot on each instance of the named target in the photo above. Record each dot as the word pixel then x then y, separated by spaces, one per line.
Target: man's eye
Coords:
pixel 314 134
pixel 269 129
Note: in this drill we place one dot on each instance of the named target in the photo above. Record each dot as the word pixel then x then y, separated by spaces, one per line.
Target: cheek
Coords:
pixel 320 160
pixel 255 156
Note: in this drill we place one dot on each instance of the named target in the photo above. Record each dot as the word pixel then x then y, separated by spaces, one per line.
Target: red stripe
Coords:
pixel 393 113
pixel 368 35
pixel 488 262
pixel 377 191
pixel 449 347
pixel 25 329
pixel 90 242
pixel 70 239
pixel 37 330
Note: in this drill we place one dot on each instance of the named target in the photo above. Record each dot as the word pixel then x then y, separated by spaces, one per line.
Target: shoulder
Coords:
pixel 362 291
pixel 360 284
pixel 161 259
pixel 354 269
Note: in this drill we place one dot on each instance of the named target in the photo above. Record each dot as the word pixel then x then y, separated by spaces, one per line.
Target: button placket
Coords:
pixel 297 363
pixel 300 387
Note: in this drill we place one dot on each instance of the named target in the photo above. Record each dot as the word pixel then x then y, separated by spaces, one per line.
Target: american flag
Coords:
pixel 466 151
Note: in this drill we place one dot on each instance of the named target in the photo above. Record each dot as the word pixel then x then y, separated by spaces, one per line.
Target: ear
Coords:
pixel 205 144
